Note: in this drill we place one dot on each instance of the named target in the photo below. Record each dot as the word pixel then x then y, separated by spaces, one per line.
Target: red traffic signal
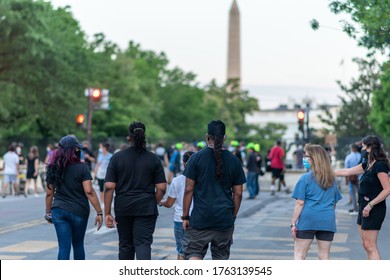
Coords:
pixel 301 115
pixel 80 119
pixel 96 94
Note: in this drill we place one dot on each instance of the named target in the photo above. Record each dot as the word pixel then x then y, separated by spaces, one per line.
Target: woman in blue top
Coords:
pixel 374 187
pixel 316 195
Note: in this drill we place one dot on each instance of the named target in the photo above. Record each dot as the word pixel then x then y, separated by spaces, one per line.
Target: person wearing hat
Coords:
pixel 214 180
pixel 200 145
pixel 138 179
pixel 68 193
pixel 237 149
pixel 251 174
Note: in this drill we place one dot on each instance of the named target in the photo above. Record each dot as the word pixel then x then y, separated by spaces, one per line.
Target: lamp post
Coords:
pixel 307 110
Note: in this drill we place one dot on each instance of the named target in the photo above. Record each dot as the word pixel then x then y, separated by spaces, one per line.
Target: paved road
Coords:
pixel 262 232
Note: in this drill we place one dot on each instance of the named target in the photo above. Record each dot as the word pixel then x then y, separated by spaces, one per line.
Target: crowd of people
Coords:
pixel 205 182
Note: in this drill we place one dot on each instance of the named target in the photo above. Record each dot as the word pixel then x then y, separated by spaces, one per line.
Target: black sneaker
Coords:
pixel 272 192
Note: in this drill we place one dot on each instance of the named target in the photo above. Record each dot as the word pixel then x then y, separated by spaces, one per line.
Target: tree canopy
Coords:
pixel 47 62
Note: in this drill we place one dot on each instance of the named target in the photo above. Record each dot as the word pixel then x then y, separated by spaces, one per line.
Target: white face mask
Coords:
pixel 48 149
pixel 100 150
pixel 18 150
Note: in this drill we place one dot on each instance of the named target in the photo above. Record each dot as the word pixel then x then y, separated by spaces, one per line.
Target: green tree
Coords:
pixel 42 68
pixel 231 104
pixel 352 117
pixel 380 114
pixel 183 105
pixel 370 22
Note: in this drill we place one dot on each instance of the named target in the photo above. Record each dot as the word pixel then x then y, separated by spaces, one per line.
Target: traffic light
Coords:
pixel 80 118
pixel 105 104
pixel 96 95
pixel 301 118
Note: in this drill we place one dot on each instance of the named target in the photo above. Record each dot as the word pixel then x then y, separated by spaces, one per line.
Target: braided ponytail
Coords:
pixel 218 143
pixel 137 135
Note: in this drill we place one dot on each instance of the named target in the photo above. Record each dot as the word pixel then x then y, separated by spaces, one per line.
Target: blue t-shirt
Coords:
pixel 318 212
pixel 213 199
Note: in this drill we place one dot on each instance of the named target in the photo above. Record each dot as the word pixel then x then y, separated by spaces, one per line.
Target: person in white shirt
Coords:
pixel 11 171
pixel 175 194
pixel 101 169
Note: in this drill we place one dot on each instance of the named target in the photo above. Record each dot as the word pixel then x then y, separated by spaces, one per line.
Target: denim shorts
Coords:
pixel 179 235
pixel 10 178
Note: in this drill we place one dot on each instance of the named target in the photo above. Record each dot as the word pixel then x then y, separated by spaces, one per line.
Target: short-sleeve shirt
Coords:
pixel 11 161
pixel 213 199
pixel 276 156
pixel 70 195
pixel 103 164
pixel 318 211
pixel 370 185
pixel 135 174
pixel 352 159
pixel 176 190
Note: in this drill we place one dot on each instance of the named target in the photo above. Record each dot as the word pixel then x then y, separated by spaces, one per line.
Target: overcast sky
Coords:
pixel 282 57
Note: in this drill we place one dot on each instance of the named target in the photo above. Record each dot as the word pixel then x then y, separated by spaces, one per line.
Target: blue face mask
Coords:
pixel 306 163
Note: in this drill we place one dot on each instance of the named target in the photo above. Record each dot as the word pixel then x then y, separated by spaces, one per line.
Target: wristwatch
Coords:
pixel 185 218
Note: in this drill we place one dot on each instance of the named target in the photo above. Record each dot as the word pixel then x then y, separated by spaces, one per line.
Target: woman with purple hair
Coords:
pixel 68 193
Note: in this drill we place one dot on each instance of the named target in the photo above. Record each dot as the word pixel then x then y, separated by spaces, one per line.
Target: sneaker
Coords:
pixel 272 192
pixel 353 213
pixel 287 191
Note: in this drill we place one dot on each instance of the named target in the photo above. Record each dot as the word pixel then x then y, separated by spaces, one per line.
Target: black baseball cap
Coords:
pixel 70 141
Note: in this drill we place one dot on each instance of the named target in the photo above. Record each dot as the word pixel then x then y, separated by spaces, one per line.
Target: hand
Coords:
pixel 49 218
pixel 99 221
pixel 366 211
pixel 186 224
pixel 294 232
pixel 110 221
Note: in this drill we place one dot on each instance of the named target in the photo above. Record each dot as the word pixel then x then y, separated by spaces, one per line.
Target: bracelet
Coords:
pixel 292 225
pixel 99 213
pixel 369 204
pixel 159 204
pixel 48 211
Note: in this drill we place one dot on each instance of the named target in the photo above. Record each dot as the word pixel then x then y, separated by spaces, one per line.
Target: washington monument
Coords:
pixel 234 56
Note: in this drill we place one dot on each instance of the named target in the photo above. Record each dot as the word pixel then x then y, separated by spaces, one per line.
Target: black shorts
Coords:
pixel 196 242
pixel 277 173
pixel 323 235
pixel 374 220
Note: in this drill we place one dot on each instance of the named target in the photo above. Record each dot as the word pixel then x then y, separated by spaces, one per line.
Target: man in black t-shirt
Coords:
pixel 215 179
pixel 138 179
